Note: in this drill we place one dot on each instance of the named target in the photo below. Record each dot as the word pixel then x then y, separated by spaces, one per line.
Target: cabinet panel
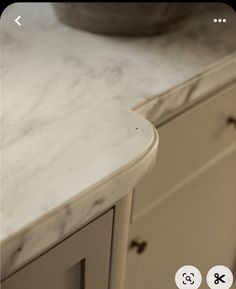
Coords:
pixel 195 226
pixel 73 278
pixel 186 144
pixel 79 262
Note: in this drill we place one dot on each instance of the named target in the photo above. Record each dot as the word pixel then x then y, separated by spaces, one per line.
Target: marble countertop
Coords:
pixel 71 144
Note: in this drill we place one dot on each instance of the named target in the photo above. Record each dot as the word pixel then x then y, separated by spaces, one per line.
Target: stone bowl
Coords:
pixel 137 19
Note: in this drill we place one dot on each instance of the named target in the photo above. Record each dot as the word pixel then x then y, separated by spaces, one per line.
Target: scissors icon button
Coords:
pixel 219 277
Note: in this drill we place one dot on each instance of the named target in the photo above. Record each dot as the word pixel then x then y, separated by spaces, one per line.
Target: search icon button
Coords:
pixel 188 277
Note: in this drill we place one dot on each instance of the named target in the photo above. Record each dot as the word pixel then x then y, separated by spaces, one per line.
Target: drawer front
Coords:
pixel 80 261
pixel 186 143
pixel 196 226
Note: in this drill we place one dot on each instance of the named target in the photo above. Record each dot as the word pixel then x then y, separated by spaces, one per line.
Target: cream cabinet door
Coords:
pixel 187 142
pixel 79 262
pixel 195 226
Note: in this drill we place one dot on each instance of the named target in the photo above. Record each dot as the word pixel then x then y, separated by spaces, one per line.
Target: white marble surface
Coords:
pixel 67 131
pixel 74 212
pixel 159 109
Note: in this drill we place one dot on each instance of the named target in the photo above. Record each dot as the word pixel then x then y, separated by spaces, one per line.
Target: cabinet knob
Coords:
pixel 231 120
pixel 140 246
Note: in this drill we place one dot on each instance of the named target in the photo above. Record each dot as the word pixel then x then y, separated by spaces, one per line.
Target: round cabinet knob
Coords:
pixel 140 246
pixel 231 120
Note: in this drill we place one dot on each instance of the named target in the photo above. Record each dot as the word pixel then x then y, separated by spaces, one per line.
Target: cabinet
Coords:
pixel 184 211
pixel 195 226
pixel 81 261
pixel 188 142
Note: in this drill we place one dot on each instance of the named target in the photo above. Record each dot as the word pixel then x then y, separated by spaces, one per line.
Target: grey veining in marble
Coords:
pixel 167 104
pixel 67 131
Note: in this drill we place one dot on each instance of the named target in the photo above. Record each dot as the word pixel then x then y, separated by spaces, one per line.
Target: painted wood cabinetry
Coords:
pixel 93 257
pixel 82 261
pixel 196 226
pixel 184 211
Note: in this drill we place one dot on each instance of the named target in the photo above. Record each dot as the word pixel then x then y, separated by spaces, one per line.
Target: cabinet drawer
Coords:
pixel 186 143
pixel 194 226
pixel 80 261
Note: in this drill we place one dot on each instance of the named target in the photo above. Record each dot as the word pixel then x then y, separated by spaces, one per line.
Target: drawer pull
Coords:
pixel 139 246
pixel 232 120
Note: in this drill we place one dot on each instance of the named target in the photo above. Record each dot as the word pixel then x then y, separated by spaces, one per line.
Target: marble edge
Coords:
pixel 20 248
pixel 83 193
pixel 156 109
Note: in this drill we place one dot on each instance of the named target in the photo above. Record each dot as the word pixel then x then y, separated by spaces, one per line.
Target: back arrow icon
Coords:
pixel 17 20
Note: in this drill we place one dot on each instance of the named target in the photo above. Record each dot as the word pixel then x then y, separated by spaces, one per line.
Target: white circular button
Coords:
pixel 220 277
pixel 188 277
